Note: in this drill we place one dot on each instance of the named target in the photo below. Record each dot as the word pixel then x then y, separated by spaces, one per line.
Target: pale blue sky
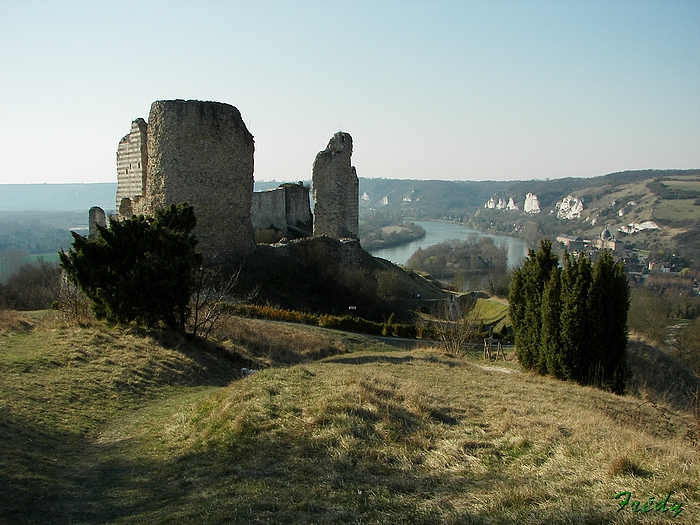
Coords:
pixel 457 90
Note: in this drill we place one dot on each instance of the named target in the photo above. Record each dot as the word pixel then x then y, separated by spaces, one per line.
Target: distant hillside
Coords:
pixel 71 197
pixel 59 197
pixel 430 198
pixel 427 199
pixel 668 198
pixel 668 201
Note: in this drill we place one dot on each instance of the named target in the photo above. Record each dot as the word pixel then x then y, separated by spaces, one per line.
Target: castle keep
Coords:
pixel 202 153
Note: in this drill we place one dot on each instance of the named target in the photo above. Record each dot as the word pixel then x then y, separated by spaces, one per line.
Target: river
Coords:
pixel 437 232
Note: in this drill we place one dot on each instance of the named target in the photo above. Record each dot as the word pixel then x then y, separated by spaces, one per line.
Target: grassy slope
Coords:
pixel 119 426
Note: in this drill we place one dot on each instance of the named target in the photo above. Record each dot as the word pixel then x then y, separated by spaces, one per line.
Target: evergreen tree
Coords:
pixel 575 316
pixel 609 304
pixel 525 302
pixel 139 269
pixel 550 343
pixel 571 323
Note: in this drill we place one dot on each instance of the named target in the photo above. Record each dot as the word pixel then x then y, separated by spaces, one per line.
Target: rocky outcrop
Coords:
pixel 501 204
pixel 336 190
pixel 569 208
pixel 532 204
pixel 636 227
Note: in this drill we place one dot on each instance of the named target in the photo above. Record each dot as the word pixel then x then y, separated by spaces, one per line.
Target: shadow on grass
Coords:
pixel 42 464
pixel 659 377
pixel 287 482
pixel 35 471
pixel 388 358
pixel 290 480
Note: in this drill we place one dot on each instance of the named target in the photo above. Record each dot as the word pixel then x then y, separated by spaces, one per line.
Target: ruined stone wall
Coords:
pixel 269 210
pixel 202 153
pixel 298 206
pixel 132 164
pixel 352 205
pixel 287 205
pixel 96 216
pixel 336 190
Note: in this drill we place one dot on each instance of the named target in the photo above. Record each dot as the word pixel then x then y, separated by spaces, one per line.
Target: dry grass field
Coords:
pixel 121 426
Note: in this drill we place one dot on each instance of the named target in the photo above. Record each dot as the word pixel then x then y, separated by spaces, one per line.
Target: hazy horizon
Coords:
pixel 268 181
pixel 440 90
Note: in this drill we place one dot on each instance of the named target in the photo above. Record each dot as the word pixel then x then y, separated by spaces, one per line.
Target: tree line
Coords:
pixel 475 262
pixel 570 320
pixel 375 234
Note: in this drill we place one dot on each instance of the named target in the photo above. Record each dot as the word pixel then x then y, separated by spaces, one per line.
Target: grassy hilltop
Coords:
pixel 102 425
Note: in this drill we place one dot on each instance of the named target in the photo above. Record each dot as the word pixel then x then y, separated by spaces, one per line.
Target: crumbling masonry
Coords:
pixel 132 160
pixel 336 190
pixel 285 208
pixel 202 153
pixel 196 152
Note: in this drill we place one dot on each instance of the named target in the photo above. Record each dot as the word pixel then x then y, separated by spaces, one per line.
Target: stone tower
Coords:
pixel 202 153
pixel 96 217
pixel 132 162
pixel 336 190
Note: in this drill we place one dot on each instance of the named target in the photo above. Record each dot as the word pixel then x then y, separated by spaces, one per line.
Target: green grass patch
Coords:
pixel 676 210
pixel 491 311
pixel 685 185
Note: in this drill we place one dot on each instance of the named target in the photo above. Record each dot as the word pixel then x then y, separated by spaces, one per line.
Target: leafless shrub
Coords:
pixel 72 302
pixel 213 299
pixel 32 286
pixel 457 326
pixel 388 284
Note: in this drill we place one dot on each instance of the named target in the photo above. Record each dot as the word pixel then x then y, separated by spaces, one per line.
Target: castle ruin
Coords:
pixel 132 160
pixel 336 190
pixel 195 152
pixel 285 208
pixel 96 217
pixel 202 153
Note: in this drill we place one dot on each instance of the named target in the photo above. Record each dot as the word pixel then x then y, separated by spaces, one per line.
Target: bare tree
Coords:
pixel 72 303
pixel 458 324
pixel 213 299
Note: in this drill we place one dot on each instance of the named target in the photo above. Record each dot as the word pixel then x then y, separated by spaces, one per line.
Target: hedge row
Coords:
pixel 346 322
pixel 275 314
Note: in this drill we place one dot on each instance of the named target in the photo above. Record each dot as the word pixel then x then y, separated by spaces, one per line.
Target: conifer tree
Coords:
pixel 525 302
pixel 609 305
pixel 575 316
pixel 550 343
pixel 572 322
pixel 139 269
